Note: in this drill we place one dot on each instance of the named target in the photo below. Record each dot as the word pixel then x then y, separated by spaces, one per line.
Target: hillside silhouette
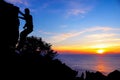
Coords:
pixel 35 60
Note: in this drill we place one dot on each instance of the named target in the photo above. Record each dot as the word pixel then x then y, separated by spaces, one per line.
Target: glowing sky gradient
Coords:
pixel 81 26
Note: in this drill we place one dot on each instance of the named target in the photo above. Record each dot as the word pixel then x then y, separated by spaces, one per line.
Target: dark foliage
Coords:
pixel 36 60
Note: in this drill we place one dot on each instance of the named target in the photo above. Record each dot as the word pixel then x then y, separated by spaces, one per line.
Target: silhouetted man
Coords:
pixel 28 27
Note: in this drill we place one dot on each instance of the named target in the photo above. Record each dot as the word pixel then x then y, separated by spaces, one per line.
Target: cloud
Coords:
pixel 46 33
pixel 43 6
pixel 101 36
pixel 76 11
pixel 101 28
pixel 79 7
pixel 107 40
pixel 66 8
pixel 64 36
pixel 25 2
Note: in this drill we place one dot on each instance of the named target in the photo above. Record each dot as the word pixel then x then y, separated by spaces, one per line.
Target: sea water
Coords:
pixel 83 62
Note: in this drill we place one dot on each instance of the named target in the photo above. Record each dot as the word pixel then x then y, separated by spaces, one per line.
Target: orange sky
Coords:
pixel 96 49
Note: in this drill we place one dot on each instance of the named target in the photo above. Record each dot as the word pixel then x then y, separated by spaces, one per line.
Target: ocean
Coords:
pixel 84 62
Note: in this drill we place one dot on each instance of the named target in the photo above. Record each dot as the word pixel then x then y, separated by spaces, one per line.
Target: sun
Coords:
pixel 100 51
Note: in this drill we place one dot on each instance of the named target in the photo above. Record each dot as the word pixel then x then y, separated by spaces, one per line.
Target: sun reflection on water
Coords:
pixel 102 66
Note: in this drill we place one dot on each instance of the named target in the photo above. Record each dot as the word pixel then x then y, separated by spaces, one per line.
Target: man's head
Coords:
pixel 27 11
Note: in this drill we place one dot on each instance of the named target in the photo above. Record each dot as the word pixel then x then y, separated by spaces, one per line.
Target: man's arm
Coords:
pixel 21 13
pixel 21 17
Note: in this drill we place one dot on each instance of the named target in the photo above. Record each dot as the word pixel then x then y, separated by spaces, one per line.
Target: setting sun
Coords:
pixel 100 51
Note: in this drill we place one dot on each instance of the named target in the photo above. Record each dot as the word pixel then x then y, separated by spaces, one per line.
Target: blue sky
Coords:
pixel 81 24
